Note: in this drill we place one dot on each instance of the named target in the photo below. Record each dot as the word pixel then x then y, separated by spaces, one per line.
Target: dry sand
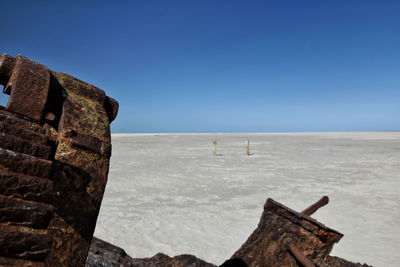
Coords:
pixel 168 193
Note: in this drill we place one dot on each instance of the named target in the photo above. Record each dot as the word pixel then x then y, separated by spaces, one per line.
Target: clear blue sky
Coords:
pixel 222 66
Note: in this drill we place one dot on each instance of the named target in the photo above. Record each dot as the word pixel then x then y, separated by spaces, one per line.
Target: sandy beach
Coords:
pixel 168 193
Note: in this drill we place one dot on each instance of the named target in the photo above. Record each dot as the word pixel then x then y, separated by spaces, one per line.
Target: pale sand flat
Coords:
pixel 168 193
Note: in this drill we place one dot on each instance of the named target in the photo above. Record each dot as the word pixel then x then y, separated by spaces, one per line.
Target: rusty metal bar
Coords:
pixel 89 142
pixel 21 145
pixel 25 164
pixel 26 187
pixel 25 213
pixel 314 207
pixel 24 243
pixel 298 254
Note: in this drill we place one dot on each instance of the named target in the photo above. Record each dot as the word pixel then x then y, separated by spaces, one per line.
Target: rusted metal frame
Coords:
pixel 26 187
pixel 17 131
pixel 28 86
pixel 24 243
pixel 266 245
pixel 79 165
pixel 25 213
pixel 5 261
pixel 296 252
pixel 24 146
pixel 26 164
pixel 85 152
pixel 12 120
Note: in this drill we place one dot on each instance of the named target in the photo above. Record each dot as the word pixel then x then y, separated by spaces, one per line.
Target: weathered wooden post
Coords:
pixel 247 147
pixel 214 148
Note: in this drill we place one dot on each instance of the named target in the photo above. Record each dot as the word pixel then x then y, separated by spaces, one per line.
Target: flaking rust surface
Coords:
pixel 83 116
pixel 54 161
pixel 266 245
pixel 28 87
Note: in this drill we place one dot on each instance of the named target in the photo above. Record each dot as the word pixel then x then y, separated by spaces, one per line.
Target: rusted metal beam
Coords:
pixel 25 213
pixel 17 121
pixel 24 146
pixel 23 243
pixel 26 134
pixel 26 187
pixel 5 261
pixel 297 253
pixel 89 142
pixel 25 164
pixel 29 88
pixel 314 207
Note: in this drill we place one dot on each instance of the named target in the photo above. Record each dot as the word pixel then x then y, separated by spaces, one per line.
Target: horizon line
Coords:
pixel 258 132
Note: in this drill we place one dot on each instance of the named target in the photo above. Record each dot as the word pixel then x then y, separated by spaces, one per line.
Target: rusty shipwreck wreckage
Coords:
pixel 54 160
